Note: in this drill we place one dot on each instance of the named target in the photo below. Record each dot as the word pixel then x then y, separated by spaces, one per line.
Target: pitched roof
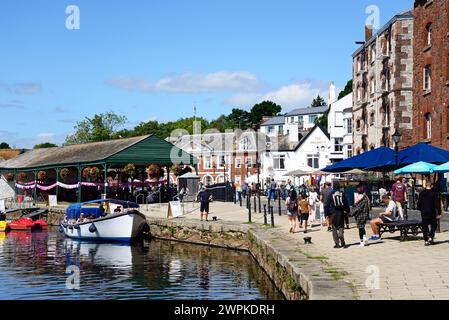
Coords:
pixel 306 111
pixel 407 15
pixel 152 147
pixel 274 121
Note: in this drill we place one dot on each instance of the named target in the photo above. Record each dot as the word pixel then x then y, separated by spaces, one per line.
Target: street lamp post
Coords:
pixel 396 139
pixel 256 127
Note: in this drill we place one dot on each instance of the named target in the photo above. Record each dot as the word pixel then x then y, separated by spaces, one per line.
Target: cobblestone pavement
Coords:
pixel 387 269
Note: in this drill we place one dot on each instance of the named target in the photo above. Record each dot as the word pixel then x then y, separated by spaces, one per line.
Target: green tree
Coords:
pixel 318 102
pixel 101 127
pixel 45 145
pixel 4 145
pixel 265 108
pixel 347 90
pixel 239 118
pixel 323 120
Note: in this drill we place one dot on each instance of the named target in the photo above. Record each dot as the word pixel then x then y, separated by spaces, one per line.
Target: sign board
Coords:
pixel 2 206
pixel 53 201
pixel 174 209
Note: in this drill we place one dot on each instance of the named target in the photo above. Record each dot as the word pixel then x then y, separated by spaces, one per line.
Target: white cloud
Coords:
pixel 289 96
pixel 189 82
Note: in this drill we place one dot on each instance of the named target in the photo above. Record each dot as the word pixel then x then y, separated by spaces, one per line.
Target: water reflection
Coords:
pixel 33 266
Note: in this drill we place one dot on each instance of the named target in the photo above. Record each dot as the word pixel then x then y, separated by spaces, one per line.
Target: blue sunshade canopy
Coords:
pixel 373 158
pixel 419 168
pixel 442 168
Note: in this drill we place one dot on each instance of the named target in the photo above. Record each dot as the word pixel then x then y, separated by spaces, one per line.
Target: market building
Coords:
pixel 431 72
pixel 382 85
pixel 88 171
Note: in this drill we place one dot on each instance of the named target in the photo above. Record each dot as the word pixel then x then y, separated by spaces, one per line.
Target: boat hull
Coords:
pixel 121 227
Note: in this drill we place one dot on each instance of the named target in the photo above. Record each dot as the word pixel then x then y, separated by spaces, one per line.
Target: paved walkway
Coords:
pixel 388 269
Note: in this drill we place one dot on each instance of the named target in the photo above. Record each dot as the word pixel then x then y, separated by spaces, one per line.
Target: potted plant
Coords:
pixel 130 169
pixel 9 176
pixel 22 176
pixel 155 172
pixel 64 174
pixel 41 175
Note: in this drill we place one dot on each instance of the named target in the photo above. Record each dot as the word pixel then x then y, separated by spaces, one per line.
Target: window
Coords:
pixel 349 126
pixel 292 119
pixel 312 118
pixel 279 162
pixel 427 77
pixel 238 163
pixel 429 34
pixel 338 145
pixel 358 124
pixel 221 161
pixel 270 129
pixel 281 129
pixel 373 53
pixel 208 180
pixel 373 86
pixel 428 126
pixel 359 93
pixel 238 179
pixel 249 162
pixel 207 162
pixel 339 119
pixel 371 119
pixel 349 151
pixel 244 143
pixel 301 120
pixel 313 161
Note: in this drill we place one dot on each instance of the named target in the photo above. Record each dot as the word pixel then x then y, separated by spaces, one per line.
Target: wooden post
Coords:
pixel 79 184
pixel 35 186
pixel 57 180
pixel 106 180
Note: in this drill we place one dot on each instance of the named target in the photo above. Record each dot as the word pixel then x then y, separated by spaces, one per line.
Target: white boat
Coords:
pixel 119 226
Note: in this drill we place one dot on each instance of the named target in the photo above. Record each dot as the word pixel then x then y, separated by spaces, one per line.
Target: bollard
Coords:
pixel 235 197
pixel 272 216
pixel 279 202
pixel 265 222
pixel 249 213
pixel 260 207
pixel 241 201
pixel 255 205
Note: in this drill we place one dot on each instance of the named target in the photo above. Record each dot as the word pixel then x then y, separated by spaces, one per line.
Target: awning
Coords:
pixel 418 168
pixel 301 171
pixel 442 168
pixel 369 159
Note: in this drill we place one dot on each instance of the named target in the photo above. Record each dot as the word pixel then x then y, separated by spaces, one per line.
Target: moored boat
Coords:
pixel 31 219
pixel 99 224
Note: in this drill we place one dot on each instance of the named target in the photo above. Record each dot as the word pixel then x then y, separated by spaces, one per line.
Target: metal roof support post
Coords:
pixel 105 180
pixel 35 186
pixel 57 183
pixel 79 184
pixel 15 184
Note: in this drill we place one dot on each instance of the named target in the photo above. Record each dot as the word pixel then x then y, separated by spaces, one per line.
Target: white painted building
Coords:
pixel 340 126
pixel 313 150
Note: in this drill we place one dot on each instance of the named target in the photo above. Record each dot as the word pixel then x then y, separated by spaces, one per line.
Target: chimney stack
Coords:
pixel 368 32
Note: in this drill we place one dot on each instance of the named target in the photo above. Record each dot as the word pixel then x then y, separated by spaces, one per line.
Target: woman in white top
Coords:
pixel 313 200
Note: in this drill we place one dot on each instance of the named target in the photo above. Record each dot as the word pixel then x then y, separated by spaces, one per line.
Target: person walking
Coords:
pixel 399 190
pixel 292 210
pixel 303 211
pixel 361 212
pixel 327 192
pixel 430 207
pixel 273 188
pixel 238 191
pixel 313 201
pixel 245 189
pixel 338 207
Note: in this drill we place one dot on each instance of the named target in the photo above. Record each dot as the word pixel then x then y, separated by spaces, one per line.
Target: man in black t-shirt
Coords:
pixel 430 207
pixel 204 198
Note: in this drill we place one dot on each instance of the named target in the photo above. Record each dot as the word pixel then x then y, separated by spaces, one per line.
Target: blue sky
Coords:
pixel 155 59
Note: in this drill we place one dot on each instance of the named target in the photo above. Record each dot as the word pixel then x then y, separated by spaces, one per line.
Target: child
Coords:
pixel 304 210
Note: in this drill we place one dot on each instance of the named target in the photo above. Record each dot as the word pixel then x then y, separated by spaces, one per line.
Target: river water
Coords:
pixel 46 265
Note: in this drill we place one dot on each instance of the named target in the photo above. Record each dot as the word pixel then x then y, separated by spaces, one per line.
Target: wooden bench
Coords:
pixel 406 228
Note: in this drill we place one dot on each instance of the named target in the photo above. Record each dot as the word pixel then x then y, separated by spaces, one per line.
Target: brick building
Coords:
pixel 431 72
pixel 382 85
pixel 223 156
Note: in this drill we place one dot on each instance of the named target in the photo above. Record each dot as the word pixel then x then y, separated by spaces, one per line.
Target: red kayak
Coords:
pixel 27 224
